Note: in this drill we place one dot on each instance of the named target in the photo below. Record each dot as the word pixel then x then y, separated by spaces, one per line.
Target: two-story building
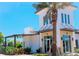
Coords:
pixel 67 37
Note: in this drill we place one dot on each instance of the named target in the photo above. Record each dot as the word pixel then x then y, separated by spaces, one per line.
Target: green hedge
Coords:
pixel 2 49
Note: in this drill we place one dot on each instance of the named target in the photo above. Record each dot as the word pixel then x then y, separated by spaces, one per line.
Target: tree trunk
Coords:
pixel 54 21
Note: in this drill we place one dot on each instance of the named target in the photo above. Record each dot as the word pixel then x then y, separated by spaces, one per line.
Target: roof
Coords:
pixel 21 35
pixel 68 29
pixel 41 31
pixel 40 11
pixel 71 7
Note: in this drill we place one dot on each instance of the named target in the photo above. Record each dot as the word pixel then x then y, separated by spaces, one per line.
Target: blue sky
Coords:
pixel 14 17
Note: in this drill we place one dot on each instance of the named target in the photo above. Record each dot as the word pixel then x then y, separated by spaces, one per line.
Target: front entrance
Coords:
pixel 66 44
pixel 47 43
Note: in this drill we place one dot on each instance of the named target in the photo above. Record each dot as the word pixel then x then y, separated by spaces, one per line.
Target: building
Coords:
pixel 67 36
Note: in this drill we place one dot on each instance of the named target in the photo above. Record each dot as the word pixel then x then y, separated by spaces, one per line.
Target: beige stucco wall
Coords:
pixel 32 41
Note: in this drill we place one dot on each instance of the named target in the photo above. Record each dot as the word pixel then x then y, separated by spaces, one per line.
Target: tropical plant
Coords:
pixel 10 50
pixel 10 43
pixel 27 50
pixel 1 42
pixel 39 50
pixel 18 45
pixel 2 49
pixel 52 13
pixel 1 38
pixel 19 51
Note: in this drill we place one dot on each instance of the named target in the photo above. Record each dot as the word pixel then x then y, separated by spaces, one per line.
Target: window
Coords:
pixel 62 18
pixel 45 21
pixel 68 19
pixel 50 20
pixel 65 19
pixel 76 43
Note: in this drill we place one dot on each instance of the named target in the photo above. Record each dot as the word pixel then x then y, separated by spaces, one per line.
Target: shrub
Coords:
pixel 27 50
pixel 2 49
pixel 10 43
pixel 39 50
pixel 18 45
pixel 19 51
pixel 77 50
pixel 10 50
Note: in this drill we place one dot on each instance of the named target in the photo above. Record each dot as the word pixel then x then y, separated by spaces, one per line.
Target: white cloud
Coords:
pixel 28 30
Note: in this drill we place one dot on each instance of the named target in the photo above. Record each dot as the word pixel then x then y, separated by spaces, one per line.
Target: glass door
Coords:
pixel 47 44
pixel 66 44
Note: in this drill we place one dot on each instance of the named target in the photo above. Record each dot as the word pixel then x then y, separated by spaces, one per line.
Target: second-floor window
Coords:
pixel 62 18
pixel 65 18
pixel 68 19
pixel 45 21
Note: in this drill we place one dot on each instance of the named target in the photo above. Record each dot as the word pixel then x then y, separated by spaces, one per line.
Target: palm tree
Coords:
pixel 52 13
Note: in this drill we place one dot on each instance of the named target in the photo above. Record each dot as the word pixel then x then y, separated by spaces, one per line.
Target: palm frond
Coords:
pixel 40 6
pixel 51 5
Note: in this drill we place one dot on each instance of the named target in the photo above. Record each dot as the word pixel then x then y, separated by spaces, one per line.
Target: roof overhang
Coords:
pixel 66 29
pixel 72 7
pixel 41 11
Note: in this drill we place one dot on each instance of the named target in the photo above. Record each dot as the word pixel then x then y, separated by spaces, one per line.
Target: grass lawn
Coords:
pixel 40 54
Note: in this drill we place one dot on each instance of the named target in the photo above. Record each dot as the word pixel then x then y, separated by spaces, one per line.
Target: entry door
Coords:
pixel 47 44
pixel 66 43
pixel 66 46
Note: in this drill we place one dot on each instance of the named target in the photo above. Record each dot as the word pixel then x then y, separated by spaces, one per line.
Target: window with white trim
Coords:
pixel 68 19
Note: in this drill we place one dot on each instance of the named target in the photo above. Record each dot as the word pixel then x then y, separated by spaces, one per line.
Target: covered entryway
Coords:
pixel 66 43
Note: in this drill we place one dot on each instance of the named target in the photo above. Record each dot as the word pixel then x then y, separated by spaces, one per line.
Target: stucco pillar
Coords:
pixel 72 44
